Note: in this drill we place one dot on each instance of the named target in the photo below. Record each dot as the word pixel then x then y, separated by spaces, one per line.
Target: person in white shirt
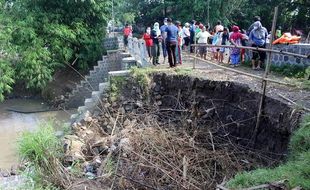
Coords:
pixel 203 40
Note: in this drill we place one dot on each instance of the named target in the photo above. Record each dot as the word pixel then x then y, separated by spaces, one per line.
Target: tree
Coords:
pixel 39 37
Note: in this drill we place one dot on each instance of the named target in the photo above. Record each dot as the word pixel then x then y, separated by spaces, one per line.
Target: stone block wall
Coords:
pixel 111 43
pixel 99 74
pixel 279 60
pixel 303 49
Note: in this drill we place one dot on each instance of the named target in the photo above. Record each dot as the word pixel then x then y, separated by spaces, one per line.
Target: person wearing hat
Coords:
pixel 171 42
pixel 163 35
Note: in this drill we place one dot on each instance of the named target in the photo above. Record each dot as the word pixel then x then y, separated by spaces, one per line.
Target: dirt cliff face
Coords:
pixel 232 107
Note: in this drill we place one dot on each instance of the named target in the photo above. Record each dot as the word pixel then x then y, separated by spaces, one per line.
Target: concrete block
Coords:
pixel 89 103
pixel 119 73
pixel 103 86
pixel 74 116
pixel 96 95
pixel 82 109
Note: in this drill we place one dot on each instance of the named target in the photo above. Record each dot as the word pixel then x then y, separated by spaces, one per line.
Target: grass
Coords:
pixel 116 83
pixel 42 150
pixel 296 170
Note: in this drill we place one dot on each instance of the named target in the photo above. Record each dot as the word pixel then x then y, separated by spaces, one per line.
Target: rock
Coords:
pixel 157 97
pixel 159 103
pixel 139 104
pixel 59 134
pixel 124 144
pixel 88 117
pixel 128 107
pixel 90 175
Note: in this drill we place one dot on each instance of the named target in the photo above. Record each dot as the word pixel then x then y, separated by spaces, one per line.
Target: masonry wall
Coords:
pixel 99 74
pixel 279 60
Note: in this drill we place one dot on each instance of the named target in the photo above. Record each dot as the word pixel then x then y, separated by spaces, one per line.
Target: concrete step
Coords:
pixel 89 103
pixel 82 109
pixel 103 86
pixel 96 96
pixel 119 73
pixel 74 116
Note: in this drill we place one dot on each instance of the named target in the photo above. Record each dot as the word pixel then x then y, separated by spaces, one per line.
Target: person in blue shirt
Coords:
pixel 258 37
pixel 192 30
pixel 163 39
pixel 171 42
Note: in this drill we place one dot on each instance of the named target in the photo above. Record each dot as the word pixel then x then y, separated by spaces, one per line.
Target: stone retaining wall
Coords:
pixel 279 60
pixel 99 74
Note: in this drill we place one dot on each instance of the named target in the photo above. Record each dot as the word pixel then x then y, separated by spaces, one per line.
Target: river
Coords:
pixel 12 125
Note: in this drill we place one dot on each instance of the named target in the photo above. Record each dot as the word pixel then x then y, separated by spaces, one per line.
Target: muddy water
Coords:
pixel 12 124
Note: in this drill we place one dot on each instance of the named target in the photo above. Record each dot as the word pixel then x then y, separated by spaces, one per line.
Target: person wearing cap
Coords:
pixel 171 42
pixel 163 35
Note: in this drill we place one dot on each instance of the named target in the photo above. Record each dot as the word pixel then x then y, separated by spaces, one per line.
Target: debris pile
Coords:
pixel 135 145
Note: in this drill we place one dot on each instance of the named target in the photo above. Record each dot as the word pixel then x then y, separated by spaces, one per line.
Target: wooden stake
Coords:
pixel 264 82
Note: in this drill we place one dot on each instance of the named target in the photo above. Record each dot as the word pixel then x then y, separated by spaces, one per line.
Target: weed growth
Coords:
pixel 42 150
pixel 296 170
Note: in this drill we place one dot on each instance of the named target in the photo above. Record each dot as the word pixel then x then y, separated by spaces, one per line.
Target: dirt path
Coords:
pixel 204 70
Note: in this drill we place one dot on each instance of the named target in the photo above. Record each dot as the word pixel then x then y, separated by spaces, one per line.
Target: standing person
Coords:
pixel 219 27
pixel 225 39
pixel 258 38
pixel 171 41
pixel 192 30
pixel 126 33
pixel 243 43
pixel 164 36
pixel 203 37
pixel 179 42
pixel 235 39
pixel 156 35
pixel 217 40
pixel 148 41
pixel 186 36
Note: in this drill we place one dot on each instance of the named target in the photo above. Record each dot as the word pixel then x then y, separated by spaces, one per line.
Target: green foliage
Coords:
pixel 38 146
pixel 116 84
pixel 289 70
pixel 42 150
pixel 296 170
pixel 300 141
pixel 39 37
pixel 6 79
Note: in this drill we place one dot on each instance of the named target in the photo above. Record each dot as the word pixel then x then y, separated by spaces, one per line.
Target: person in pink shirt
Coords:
pixel 235 39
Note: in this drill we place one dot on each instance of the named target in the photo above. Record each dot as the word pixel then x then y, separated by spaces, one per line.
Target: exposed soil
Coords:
pixel 183 133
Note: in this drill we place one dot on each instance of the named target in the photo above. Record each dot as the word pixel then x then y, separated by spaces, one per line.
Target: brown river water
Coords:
pixel 12 124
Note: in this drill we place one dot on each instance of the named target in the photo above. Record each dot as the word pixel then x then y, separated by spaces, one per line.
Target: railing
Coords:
pixel 137 49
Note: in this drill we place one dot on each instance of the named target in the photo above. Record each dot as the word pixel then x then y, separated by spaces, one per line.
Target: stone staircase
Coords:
pixel 87 95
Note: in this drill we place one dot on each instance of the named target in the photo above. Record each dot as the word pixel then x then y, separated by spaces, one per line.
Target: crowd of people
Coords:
pixel 172 38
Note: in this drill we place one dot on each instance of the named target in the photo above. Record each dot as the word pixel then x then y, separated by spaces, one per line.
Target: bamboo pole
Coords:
pixel 264 82
pixel 243 73
pixel 255 49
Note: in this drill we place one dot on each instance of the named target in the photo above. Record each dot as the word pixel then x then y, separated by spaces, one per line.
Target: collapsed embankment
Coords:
pixel 162 131
pixel 165 131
